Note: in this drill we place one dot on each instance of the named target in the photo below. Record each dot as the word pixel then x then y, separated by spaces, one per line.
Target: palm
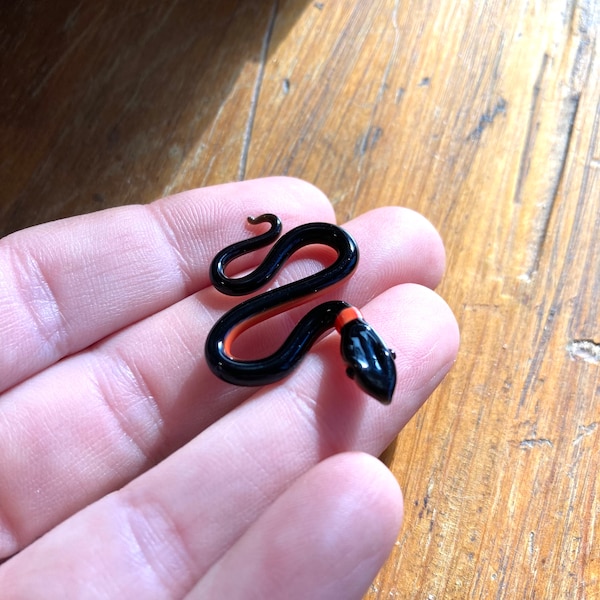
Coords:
pixel 142 471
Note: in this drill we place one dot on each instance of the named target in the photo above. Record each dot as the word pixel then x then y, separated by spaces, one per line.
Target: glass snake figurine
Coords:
pixel 369 362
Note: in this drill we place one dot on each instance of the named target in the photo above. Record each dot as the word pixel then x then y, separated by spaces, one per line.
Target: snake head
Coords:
pixel 369 362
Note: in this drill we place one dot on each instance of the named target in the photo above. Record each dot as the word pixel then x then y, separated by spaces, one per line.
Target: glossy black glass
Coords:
pixel 368 360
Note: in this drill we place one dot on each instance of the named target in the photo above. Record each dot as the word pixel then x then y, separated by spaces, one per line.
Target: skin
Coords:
pixel 129 469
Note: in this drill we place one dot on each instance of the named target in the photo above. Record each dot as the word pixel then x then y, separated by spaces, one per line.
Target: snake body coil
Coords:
pixel 368 360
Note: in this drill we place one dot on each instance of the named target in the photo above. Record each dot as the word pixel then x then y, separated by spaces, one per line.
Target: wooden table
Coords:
pixel 483 116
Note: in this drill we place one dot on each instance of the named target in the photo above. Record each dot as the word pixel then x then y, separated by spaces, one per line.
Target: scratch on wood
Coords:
pixel 487 119
pixel 586 350
pixel 556 173
pixel 535 442
pixel 531 543
pixel 584 431
pixel 368 140
pixel 556 168
pixel 256 92
pixel 532 128
pixel 540 347
pixel 580 71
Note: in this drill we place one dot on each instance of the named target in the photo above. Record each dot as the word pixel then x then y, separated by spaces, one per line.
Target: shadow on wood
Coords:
pixel 112 103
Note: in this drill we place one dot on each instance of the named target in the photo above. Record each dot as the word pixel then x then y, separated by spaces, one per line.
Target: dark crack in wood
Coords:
pixel 532 129
pixel 556 170
pixel 487 119
pixel 256 92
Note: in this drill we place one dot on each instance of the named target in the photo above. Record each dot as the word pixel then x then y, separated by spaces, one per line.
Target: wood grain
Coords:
pixel 112 103
pixel 483 116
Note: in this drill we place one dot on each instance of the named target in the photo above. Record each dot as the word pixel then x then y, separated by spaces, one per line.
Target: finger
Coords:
pixel 401 245
pixel 325 537
pixel 132 400
pixel 67 284
pixel 189 510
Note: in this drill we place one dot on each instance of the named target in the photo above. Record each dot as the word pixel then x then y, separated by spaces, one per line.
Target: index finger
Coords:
pixel 68 284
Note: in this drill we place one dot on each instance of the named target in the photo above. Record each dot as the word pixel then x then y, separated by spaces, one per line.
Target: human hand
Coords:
pixel 142 472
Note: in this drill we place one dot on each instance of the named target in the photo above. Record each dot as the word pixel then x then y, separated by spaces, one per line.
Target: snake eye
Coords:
pixel 350 372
